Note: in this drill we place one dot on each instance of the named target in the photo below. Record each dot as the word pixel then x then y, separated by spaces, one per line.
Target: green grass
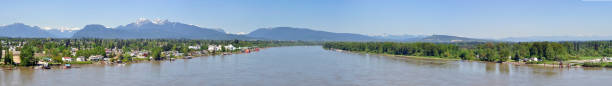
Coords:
pixel 139 59
pixel 589 57
pixel 597 64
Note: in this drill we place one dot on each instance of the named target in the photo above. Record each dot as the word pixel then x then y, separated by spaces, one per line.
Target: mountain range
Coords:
pixel 290 33
pixel 164 29
pixel 20 30
pixel 556 38
pixel 158 29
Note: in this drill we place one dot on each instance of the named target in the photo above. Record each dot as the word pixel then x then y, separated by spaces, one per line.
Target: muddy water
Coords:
pixel 306 66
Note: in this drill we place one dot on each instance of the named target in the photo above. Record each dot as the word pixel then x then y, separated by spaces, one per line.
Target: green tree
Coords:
pixel 608 52
pixel 203 47
pixel 8 58
pixel 156 53
pixel 1 52
pixel 27 56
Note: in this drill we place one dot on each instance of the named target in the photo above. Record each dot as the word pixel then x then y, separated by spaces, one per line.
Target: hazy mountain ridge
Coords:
pixel 290 33
pixel 556 38
pixel 164 29
pixel 20 30
pixel 155 30
pixel 401 37
pixel 447 38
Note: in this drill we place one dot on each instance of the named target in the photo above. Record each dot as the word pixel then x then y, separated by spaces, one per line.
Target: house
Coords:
pixel 80 58
pixel 16 57
pixel 67 59
pixel 95 58
pixel 194 47
pixel 606 59
pixel 139 54
pixel 3 52
pixel 214 47
pixel 230 47
pixel 534 59
pixel 74 51
pixel 107 59
pixel 142 55
pixel 171 53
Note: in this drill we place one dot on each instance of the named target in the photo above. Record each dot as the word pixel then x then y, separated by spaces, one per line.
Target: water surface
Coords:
pixel 306 66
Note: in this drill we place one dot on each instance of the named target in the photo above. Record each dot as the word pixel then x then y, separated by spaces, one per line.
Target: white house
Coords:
pixel 95 58
pixel 214 47
pixel 80 58
pixel 230 47
pixel 534 59
pixel 68 59
pixel 106 59
pixel 194 47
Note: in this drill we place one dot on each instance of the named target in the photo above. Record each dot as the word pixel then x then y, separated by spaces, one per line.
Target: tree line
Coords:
pixel 491 51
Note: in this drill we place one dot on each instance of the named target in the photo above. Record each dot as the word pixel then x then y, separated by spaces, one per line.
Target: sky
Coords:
pixel 467 18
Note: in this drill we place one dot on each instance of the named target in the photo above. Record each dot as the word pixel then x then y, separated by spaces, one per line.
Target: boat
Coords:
pixel 46 66
pixel 227 54
pixel 122 64
pixel 67 66
pixel 188 57
pixel 247 51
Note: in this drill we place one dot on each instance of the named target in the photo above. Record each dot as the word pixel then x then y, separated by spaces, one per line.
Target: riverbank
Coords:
pixel 304 65
pixel 540 63
pixel 120 62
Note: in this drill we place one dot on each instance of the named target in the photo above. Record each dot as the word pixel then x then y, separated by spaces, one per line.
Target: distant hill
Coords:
pixel 158 29
pixel 401 37
pixel 163 29
pixel 290 33
pixel 20 30
pixel 557 38
pixel 447 38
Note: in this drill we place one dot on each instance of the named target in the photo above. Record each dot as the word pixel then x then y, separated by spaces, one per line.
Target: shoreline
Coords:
pixel 570 65
pixel 60 66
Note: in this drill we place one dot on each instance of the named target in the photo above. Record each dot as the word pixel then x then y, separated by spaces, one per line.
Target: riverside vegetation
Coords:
pixel 33 51
pixel 546 52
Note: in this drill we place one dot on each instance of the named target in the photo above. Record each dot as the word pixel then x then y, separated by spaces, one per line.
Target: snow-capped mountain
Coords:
pixel 155 29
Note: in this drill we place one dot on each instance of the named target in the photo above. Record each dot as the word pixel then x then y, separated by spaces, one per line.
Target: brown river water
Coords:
pixel 307 66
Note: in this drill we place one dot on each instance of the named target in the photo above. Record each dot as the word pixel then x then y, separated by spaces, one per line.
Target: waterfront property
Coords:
pixel 95 58
pixel 81 58
pixel 67 59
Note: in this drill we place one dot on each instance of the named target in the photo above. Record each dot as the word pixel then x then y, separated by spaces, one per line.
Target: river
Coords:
pixel 306 66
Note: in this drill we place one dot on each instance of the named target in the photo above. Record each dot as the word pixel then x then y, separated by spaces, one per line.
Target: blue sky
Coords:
pixel 469 18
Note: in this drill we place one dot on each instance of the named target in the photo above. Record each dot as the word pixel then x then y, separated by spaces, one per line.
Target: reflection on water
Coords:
pixel 306 66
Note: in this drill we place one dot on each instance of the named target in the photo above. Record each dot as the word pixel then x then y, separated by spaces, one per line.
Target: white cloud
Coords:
pixel 241 33
pixel 60 28
pixel 69 28
pixel 46 28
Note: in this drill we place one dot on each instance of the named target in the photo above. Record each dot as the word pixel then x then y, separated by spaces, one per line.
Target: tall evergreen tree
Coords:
pixel 8 58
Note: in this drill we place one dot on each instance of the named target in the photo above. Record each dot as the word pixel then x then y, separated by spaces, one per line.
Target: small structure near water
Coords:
pixel 67 59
